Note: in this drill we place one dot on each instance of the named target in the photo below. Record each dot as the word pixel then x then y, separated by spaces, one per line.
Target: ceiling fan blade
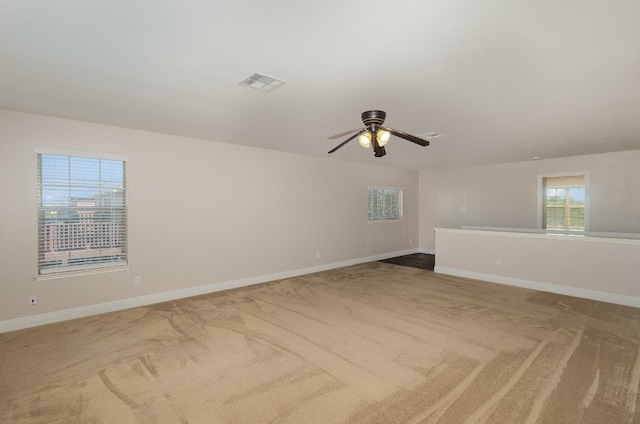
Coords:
pixel 346 141
pixel 406 136
pixel 342 134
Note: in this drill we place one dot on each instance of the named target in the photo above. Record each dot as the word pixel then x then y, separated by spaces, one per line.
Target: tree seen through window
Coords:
pixel 564 202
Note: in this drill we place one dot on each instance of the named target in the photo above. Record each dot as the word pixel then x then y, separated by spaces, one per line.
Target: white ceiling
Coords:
pixel 503 80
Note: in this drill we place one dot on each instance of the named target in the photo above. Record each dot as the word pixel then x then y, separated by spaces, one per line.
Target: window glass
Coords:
pixel 81 213
pixel 564 202
pixel 385 203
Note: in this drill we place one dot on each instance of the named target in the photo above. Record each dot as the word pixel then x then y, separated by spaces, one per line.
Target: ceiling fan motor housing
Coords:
pixel 373 117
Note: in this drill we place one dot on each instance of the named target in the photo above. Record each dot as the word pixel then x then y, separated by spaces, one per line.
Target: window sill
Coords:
pixel 383 221
pixel 80 272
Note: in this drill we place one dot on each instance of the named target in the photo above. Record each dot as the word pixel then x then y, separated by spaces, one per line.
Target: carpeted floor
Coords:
pixel 372 343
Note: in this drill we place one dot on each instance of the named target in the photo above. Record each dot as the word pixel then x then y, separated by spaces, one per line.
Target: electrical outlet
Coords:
pixel 137 280
pixel 33 300
pixel 498 262
pixel 317 254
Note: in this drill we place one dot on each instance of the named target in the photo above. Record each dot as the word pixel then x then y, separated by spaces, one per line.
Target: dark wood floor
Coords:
pixel 415 260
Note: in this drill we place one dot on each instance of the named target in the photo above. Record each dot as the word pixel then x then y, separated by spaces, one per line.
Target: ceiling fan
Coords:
pixel 374 134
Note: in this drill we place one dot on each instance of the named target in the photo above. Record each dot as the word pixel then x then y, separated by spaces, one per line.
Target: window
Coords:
pixel 385 203
pixel 564 202
pixel 81 213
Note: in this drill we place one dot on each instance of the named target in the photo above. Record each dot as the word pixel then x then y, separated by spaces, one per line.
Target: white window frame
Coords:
pixel 587 202
pixel 87 268
pixel 399 217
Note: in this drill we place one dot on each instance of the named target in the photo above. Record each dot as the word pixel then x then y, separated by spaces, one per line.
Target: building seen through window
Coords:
pixel 81 213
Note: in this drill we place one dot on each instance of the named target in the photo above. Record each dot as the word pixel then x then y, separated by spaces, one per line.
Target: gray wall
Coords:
pixel 199 213
pixel 507 195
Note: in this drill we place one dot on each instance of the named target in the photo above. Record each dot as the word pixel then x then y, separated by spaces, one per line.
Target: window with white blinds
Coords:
pixel 564 202
pixel 385 203
pixel 81 213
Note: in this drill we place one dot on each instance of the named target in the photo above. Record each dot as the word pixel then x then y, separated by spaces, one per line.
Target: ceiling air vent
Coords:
pixel 262 82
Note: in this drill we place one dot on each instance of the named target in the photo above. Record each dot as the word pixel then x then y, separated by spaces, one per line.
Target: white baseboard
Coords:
pixel 546 287
pixel 117 305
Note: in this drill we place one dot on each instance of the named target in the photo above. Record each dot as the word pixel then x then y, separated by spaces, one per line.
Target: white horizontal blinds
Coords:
pixel 564 181
pixel 385 203
pixel 81 213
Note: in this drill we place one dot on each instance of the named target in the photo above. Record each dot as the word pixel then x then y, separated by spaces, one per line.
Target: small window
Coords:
pixel 385 203
pixel 564 202
pixel 81 213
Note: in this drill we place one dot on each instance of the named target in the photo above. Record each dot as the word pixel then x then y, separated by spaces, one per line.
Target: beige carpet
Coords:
pixel 373 343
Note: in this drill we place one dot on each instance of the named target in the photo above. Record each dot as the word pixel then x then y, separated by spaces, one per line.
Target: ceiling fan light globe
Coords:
pixel 383 137
pixel 365 139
